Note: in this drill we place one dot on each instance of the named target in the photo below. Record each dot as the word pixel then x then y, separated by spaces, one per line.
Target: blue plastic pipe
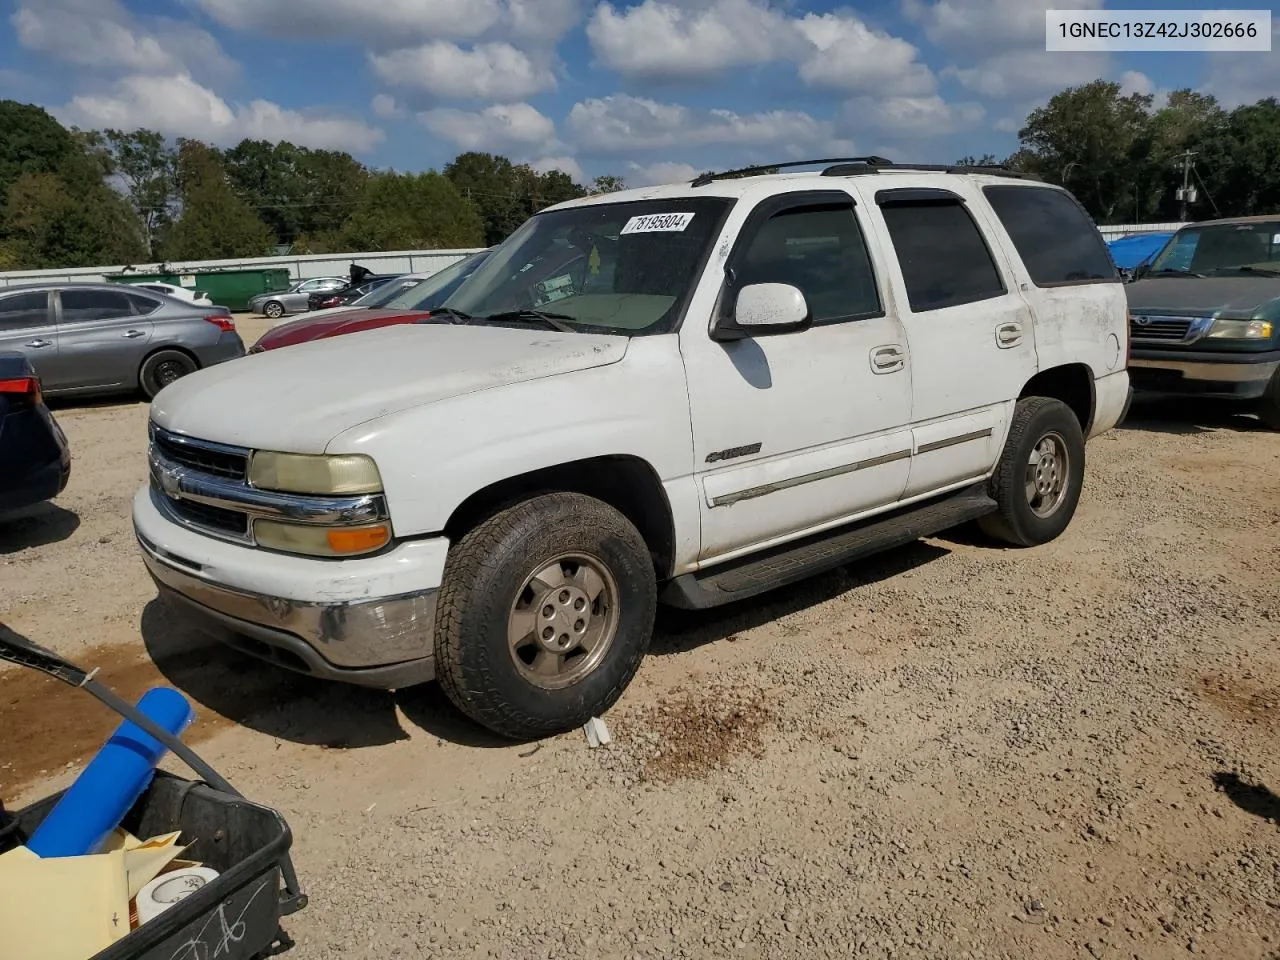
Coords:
pixel 113 781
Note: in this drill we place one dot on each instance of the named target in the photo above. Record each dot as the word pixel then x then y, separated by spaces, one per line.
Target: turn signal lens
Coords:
pixel 318 541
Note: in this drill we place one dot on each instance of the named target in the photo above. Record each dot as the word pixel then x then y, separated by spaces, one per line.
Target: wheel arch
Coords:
pixel 627 483
pixel 1072 384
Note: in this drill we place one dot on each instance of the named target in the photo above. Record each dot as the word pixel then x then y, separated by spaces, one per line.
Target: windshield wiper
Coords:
pixel 1174 272
pixel 1260 271
pixel 455 316
pixel 553 321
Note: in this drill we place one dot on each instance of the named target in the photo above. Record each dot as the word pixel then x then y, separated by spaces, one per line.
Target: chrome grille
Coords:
pixel 217 459
pixel 1167 329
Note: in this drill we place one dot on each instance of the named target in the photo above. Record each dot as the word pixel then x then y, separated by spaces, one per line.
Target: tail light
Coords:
pixel 24 390
pixel 223 322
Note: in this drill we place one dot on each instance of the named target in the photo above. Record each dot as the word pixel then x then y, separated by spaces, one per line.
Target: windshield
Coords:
pixel 614 267
pixel 384 293
pixel 1224 248
pixel 434 290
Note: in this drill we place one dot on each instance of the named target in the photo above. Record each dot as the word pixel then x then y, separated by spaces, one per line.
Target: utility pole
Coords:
pixel 1187 194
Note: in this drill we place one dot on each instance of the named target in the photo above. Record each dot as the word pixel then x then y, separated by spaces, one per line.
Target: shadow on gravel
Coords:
pixel 1253 798
pixel 679 631
pixel 290 706
pixel 1185 416
pixel 69 404
pixel 36 526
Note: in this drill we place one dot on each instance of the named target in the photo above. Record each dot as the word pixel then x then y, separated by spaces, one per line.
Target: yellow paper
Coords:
pixel 143 864
pixel 62 908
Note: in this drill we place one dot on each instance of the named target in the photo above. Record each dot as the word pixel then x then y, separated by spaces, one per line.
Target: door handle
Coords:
pixel 887 359
pixel 1008 335
pixel 131 334
pixel 37 344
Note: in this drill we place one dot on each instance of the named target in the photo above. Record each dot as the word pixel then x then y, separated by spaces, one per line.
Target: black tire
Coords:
pixel 162 368
pixel 485 575
pixel 1036 420
pixel 273 309
pixel 1269 406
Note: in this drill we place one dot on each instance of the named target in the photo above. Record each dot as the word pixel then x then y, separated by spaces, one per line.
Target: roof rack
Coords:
pixel 857 166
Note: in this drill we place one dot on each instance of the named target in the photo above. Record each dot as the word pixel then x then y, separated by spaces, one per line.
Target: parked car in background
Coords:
pixel 693 393
pixel 175 291
pixel 1205 316
pixel 35 460
pixel 350 293
pixel 294 300
pixel 97 338
pixel 377 298
pixel 412 303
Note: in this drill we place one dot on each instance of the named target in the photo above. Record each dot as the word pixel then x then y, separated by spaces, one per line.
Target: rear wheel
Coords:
pixel 1269 408
pixel 544 615
pixel 273 309
pixel 162 368
pixel 1038 481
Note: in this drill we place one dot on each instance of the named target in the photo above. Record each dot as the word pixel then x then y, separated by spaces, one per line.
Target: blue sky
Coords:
pixel 646 89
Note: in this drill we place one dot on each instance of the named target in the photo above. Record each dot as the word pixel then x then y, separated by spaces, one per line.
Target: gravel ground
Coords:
pixel 955 750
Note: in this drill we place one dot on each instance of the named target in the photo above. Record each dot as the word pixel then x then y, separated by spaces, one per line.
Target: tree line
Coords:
pixel 71 197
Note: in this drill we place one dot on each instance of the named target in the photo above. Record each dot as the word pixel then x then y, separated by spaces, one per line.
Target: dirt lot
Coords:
pixel 957 751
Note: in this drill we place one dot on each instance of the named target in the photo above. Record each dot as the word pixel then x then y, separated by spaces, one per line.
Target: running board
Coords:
pixel 793 562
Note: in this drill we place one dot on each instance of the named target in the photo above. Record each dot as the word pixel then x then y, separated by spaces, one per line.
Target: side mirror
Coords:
pixel 1141 270
pixel 765 309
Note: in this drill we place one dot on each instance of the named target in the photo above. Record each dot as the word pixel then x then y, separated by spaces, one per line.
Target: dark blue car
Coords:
pixel 35 461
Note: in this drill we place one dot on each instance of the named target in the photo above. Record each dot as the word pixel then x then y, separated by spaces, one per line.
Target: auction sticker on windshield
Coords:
pixel 658 223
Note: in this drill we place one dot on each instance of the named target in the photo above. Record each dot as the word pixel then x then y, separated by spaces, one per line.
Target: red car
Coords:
pixel 415 303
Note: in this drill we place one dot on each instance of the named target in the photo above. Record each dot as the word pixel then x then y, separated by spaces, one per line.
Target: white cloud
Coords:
pixel 179 106
pixel 385 106
pixel 489 71
pixel 1008 125
pixel 918 117
pixel 495 127
pixel 623 122
pixel 563 164
pixel 1134 81
pixel 987 26
pixel 656 173
pixel 1026 75
pixel 660 38
pixel 693 39
pixel 849 55
pixel 396 22
pixel 1242 78
pixel 103 34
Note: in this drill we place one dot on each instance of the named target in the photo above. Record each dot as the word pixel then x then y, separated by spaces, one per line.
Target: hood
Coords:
pixel 299 399
pixel 315 326
pixel 1238 296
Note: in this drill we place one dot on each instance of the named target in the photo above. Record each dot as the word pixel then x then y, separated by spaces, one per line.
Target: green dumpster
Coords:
pixel 227 288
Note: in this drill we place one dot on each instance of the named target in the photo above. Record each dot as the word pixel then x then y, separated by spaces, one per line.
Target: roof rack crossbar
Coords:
pixel 703 179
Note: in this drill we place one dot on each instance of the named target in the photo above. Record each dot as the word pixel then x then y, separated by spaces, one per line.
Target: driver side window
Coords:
pixel 820 250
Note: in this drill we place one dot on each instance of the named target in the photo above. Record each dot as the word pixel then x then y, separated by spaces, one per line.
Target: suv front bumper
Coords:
pixel 368 621
pixel 1235 376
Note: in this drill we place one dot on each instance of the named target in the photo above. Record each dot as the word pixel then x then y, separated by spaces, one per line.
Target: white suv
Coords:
pixel 690 393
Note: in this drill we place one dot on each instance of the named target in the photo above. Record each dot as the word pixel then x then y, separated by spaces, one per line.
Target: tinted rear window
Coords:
pixel 1054 236
pixel 945 261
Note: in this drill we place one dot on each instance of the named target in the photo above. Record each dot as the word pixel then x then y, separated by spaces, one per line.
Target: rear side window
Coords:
pixel 142 305
pixel 944 258
pixel 1053 235
pixel 820 250
pixel 79 306
pixel 21 310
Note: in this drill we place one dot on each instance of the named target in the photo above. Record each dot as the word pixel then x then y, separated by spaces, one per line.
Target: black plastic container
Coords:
pixel 234 917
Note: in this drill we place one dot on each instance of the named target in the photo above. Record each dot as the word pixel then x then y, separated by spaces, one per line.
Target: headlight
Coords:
pixel 321 475
pixel 320 541
pixel 1241 330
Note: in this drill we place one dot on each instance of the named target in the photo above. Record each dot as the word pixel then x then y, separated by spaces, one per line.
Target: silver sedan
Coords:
pixel 294 300
pixel 95 338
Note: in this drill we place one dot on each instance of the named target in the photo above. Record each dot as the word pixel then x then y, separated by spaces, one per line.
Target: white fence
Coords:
pixel 299 267
pixel 1115 231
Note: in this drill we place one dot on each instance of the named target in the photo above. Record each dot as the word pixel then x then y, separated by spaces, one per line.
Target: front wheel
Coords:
pixel 1038 482
pixel 274 309
pixel 544 615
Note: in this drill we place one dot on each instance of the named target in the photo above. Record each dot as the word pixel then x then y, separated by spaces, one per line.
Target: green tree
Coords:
pixel 296 191
pixel 1093 140
pixel 1238 160
pixel 496 188
pixel 607 183
pixel 33 142
pixel 214 223
pixel 412 211
pixel 50 224
pixel 986 160
pixel 147 169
